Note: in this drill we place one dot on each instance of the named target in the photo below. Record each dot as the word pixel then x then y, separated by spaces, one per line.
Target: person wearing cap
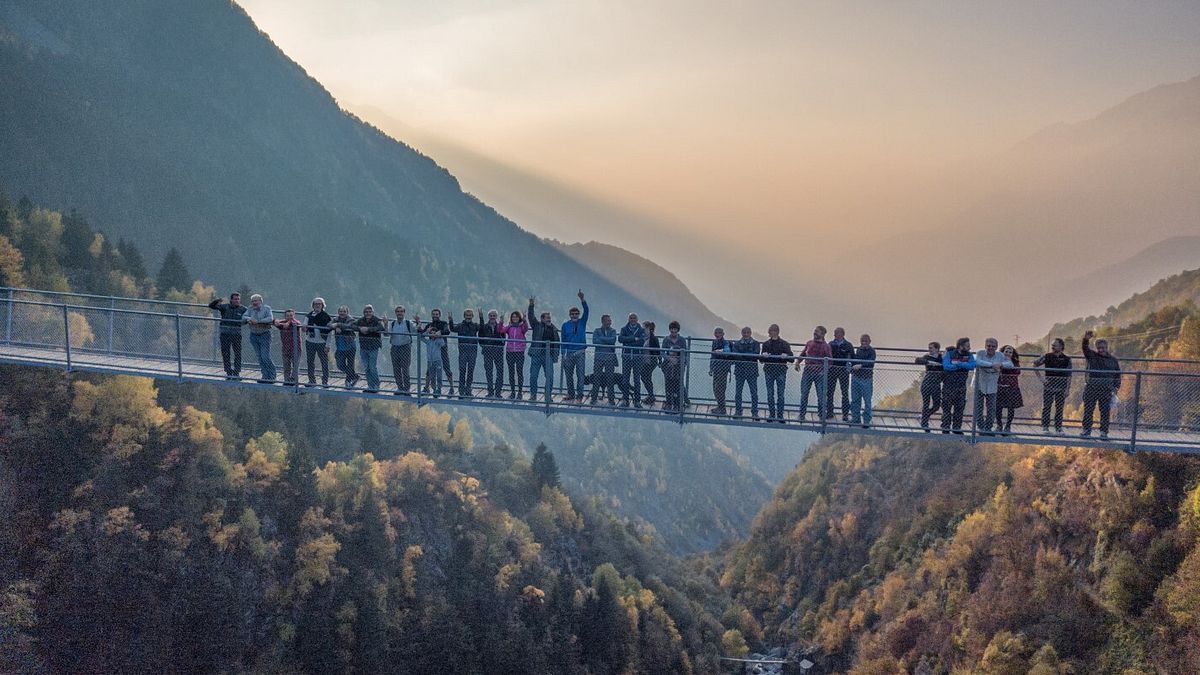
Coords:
pixel 719 366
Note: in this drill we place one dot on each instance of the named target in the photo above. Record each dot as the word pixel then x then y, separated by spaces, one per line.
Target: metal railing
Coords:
pixel 200 309
pixel 1155 406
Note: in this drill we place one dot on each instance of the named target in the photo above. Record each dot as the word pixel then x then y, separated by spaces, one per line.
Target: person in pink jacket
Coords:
pixel 514 353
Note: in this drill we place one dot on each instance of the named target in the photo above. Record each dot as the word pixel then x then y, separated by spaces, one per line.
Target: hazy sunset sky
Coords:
pixel 725 114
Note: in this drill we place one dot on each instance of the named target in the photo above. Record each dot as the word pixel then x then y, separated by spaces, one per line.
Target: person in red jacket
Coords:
pixel 815 353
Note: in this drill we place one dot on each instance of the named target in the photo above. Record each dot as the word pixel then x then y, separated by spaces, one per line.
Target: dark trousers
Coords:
pixel 931 401
pixel 493 367
pixel 1094 396
pixel 345 363
pixel 401 360
pixel 720 378
pixel 954 401
pixel 317 350
pixel 814 379
pixel 516 372
pixel 1053 397
pixel 776 384
pixel 672 380
pixel 291 363
pixel 631 370
pixel 446 366
pixel 231 343
pixel 740 381
pixel 647 374
pixel 839 376
pixel 604 377
pixel 466 368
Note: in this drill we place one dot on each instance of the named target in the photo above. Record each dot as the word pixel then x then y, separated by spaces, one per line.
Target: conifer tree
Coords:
pixel 173 275
pixel 545 469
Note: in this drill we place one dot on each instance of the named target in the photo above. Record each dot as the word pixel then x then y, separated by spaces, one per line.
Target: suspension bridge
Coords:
pixel 1157 407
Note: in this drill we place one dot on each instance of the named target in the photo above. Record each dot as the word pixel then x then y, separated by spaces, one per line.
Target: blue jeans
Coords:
pixel 814 379
pixel 370 361
pixel 742 380
pixel 261 342
pixel 776 383
pixel 537 365
pixel 573 366
pixel 860 399
pixel 344 358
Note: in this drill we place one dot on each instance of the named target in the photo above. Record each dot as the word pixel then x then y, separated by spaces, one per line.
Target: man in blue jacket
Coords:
pixel 633 341
pixel 957 365
pixel 574 350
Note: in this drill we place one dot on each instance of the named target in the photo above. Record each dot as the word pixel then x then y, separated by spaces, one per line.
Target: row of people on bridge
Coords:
pixel 997 385
pixel 825 366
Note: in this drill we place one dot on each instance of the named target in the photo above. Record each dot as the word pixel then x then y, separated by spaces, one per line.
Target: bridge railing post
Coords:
pixel 824 400
pixel 67 335
pixel 112 307
pixel 8 312
pixel 178 347
pixel 975 406
pixel 685 368
pixel 1137 411
pixel 420 368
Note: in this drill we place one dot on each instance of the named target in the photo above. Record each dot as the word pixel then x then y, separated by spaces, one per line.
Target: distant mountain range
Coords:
pixel 183 125
pixel 647 280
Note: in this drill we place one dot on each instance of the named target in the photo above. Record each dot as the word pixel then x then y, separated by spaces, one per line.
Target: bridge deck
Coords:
pixel 886 422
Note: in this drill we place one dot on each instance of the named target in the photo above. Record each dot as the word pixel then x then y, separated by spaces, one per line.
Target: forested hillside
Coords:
pixel 882 556
pixel 189 528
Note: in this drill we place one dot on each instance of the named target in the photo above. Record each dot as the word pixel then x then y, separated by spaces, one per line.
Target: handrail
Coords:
pixel 11 291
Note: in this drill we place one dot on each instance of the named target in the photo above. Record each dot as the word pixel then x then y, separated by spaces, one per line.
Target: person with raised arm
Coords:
pixel 988 363
pixel 1103 381
pixel 862 382
pixel 370 340
pixel 316 341
pixel 574 349
pixel 746 353
pixel 344 347
pixel 719 366
pixel 514 352
pixel 543 353
pixel 468 349
pixel 957 365
pixel 674 351
pixel 289 345
pixel 1056 382
pixel 931 382
pixel 491 340
pixel 401 334
pixel 633 342
pixel 1008 392
pixel 230 332
pixel 650 361
pixel 261 319
pixel 815 352
pixel 841 351
pixel 604 366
